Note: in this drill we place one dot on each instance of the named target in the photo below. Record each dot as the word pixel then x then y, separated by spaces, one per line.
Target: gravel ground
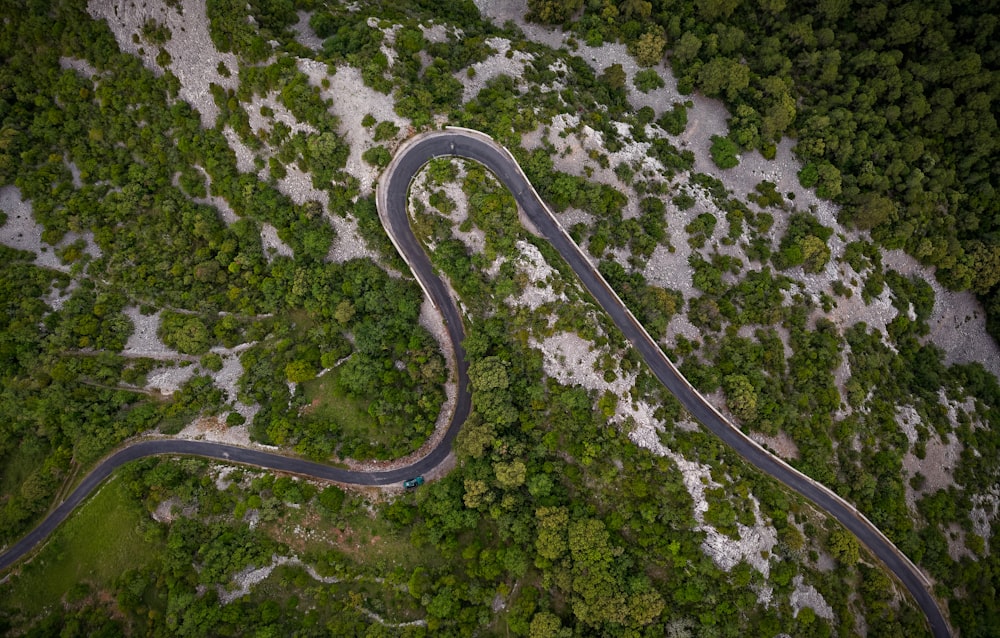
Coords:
pixel 195 59
pixel 260 122
pixel 244 154
pixel 985 511
pixel 244 580
pixel 22 232
pixel 272 243
pixel 435 32
pixel 164 511
pixel 168 380
pixel 82 67
pixel 299 188
pixel 958 323
pixel 349 243
pixel 214 429
pixel 56 297
pixel 573 360
pixel 754 543
pixel 571 153
pixel 352 100
pixel 304 33
pixel 781 444
pixel 144 340
pixel 494 66
pixel 219 203
pixel 227 378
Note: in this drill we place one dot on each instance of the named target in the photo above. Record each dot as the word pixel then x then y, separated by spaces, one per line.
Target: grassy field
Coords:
pixel 328 403
pixel 100 541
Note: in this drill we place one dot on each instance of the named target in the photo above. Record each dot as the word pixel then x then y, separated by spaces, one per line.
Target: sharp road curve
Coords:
pixel 392 194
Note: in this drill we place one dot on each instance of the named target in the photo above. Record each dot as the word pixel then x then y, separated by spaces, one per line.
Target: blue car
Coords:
pixel 413 482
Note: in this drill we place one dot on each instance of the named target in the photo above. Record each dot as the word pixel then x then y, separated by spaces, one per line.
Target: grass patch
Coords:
pixel 371 543
pixel 330 404
pixel 103 539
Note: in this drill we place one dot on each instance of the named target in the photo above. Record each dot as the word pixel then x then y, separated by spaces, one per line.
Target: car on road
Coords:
pixel 413 482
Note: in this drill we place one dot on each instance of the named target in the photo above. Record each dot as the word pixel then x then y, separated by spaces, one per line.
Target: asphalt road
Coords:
pixel 478 147
pixel 392 198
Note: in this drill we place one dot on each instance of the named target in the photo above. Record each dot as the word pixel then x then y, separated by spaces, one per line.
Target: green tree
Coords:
pixel 545 624
pixel 687 48
pixel 551 541
pixel 648 49
pixel 299 371
pixel 843 546
pixel 815 254
pixel 724 76
pixel 614 76
pixel 723 152
pixel 552 11
pixel 510 475
pixel 741 396
pixel 872 210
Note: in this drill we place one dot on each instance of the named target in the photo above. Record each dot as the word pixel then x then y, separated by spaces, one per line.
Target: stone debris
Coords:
pixel 494 66
pixel 807 596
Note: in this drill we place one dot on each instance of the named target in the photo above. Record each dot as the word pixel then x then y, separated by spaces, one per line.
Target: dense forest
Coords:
pixel 233 221
pixel 893 105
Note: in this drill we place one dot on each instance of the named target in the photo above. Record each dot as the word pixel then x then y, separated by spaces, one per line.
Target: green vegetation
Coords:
pixel 724 152
pixel 675 120
pixel 385 131
pixel 890 103
pixel 554 521
pixel 647 80
pixel 107 537
pixel 377 156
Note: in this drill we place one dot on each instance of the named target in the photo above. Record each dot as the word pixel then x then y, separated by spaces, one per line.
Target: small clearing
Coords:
pixel 194 59
pixel 22 231
pixel 272 243
pixel 494 66
pixel 352 100
pixel 168 380
pixel 145 341
pixel 807 596
pixel 539 273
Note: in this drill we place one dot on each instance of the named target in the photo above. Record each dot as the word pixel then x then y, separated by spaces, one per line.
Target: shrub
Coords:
pixel 724 152
pixel 675 120
pixel 385 131
pixel 211 361
pixel 647 80
pixel 377 156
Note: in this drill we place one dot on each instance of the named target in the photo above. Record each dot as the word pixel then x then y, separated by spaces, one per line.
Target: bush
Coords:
pixel 647 80
pixel 187 334
pixel 675 120
pixel 683 201
pixel 377 156
pixel 211 361
pixel 385 131
pixel 724 152
pixel 809 175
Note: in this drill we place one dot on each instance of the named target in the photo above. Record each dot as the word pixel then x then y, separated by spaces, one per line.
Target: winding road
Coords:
pixel 392 194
